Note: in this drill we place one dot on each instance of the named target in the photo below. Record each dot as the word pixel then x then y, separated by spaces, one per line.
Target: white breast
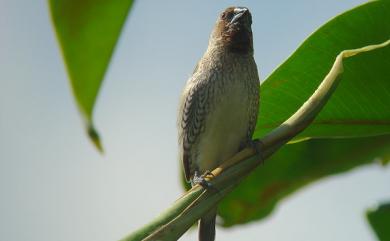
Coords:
pixel 226 128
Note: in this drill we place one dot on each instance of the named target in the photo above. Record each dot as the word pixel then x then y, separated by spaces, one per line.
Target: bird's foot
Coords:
pixel 257 145
pixel 201 179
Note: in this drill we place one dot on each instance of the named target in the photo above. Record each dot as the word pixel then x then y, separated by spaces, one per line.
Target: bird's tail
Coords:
pixel 207 226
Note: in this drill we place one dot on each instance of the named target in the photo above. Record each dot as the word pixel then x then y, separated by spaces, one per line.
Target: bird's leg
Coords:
pixel 201 179
pixel 197 179
pixel 256 144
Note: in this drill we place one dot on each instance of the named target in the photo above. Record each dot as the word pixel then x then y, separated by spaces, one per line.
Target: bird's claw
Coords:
pixel 257 145
pixel 207 174
pixel 201 179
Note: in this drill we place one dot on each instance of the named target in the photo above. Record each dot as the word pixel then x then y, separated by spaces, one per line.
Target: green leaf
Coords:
pixel 359 108
pixel 379 220
pixel 88 31
pixel 295 166
pixel 360 105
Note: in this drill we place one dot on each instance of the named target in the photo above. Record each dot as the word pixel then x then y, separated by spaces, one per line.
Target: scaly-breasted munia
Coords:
pixel 220 102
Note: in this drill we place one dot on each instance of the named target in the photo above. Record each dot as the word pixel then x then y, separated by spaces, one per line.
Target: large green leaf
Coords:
pixel 359 108
pixel 88 31
pixel 360 105
pixel 295 166
pixel 380 221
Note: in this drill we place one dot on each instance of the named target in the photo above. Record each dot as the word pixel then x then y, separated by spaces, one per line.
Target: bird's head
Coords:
pixel 233 30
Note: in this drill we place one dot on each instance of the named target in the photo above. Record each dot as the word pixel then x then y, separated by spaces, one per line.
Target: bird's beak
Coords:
pixel 238 12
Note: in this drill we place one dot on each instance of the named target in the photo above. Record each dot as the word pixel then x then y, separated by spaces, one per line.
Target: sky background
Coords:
pixel 55 186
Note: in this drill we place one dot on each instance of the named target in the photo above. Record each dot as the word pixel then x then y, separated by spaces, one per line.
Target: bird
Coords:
pixel 219 104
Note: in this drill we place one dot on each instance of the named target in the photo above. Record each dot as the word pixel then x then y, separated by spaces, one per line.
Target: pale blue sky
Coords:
pixel 55 186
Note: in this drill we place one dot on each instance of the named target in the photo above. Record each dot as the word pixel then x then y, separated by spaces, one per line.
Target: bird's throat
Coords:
pixel 238 40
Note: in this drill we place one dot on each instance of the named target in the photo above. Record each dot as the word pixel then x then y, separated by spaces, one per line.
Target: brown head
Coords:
pixel 233 30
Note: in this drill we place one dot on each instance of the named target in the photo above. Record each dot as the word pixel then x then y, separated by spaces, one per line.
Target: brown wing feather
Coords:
pixel 254 110
pixel 191 123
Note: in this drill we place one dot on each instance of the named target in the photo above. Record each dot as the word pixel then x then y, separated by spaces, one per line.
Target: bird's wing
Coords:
pixel 254 109
pixel 191 121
